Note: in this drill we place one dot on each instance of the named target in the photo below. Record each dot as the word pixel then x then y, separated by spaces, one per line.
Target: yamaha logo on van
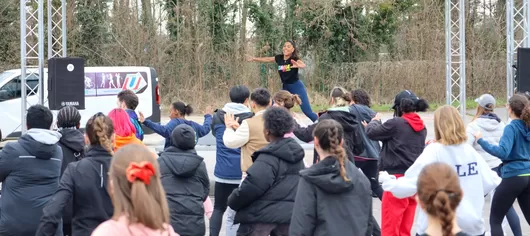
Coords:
pixel 72 103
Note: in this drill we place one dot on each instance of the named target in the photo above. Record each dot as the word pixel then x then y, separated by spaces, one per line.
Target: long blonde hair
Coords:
pixel 449 127
pixel 481 111
pixel 142 202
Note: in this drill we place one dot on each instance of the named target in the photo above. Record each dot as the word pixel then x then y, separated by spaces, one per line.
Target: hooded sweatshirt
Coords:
pixel 352 134
pixel 72 144
pixel 121 141
pixel 326 204
pixel 134 120
pixel 86 183
pixel 30 170
pixel 185 180
pixel 267 194
pixel 513 149
pixel 491 128
pixel 371 148
pixel 228 160
pixel 403 141
pixel 476 180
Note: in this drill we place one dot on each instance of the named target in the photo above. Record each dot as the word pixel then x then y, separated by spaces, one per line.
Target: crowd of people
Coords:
pixel 105 181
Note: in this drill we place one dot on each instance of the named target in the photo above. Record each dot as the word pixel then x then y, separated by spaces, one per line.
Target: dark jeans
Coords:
pixel 263 230
pixel 370 169
pixel 221 193
pixel 299 89
pixel 511 215
pixel 517 187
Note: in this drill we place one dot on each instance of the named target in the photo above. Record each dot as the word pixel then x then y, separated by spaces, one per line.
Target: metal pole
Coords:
pixel 23 64
pixel 448 64
pixel 41 52
pixel 462 35
pixel 509 49
pixel 63 17
pixel 50 29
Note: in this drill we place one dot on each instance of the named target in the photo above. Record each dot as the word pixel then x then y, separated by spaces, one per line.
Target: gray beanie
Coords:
pixel 183 137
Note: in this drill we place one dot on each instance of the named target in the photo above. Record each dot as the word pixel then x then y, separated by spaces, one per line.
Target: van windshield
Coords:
pixel 5 75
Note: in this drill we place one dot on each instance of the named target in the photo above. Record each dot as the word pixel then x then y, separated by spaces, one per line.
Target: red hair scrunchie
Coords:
pixel 142 171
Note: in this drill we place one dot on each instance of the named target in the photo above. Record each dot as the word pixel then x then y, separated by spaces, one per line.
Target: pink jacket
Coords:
pixel 121 227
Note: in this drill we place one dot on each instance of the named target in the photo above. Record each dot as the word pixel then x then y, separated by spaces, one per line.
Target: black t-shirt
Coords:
pixel 287 74
pixel 458 234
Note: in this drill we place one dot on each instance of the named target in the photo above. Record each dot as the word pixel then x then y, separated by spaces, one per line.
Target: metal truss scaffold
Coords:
pixel 455 46
pixel 517 35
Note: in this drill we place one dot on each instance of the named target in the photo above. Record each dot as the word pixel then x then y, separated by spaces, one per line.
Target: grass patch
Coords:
pixel 470 105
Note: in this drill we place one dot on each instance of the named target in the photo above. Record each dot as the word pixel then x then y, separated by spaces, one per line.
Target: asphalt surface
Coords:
pixel 206 148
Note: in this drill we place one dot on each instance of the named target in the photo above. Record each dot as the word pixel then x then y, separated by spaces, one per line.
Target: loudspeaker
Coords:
pixel 523 70
pixel 66 86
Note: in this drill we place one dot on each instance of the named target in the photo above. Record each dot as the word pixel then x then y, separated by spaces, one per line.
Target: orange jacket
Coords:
pixel 120 141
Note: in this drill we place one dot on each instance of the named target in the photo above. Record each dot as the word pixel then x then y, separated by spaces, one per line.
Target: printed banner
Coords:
pixel 111 83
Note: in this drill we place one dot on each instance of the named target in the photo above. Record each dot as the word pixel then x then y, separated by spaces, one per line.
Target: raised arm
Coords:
pixel 262 59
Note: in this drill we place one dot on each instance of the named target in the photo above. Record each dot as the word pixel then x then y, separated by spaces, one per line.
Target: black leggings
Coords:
pixel 517 187
pixel 371 170
pixel 221 193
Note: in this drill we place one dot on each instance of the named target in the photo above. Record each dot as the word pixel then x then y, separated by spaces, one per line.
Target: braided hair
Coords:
pixel 68 117
pixel 440 193
pixel 99 130
pixel 330 135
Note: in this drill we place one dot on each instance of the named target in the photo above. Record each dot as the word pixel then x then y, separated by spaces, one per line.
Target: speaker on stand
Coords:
pixel 522 74
pixel 66 86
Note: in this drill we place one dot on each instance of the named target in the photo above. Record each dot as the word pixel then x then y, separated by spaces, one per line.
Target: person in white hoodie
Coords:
pixel 491 127
pixel 476 178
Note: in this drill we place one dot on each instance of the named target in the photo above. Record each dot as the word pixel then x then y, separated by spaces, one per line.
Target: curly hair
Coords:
pixel 278 121
pixel 330 135
pixel 440 193
pixel 360 96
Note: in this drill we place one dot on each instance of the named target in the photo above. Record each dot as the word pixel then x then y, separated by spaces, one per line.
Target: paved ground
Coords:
pixel 206 148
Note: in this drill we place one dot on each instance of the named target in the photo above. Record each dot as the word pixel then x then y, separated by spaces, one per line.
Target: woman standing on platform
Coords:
pixel 288 64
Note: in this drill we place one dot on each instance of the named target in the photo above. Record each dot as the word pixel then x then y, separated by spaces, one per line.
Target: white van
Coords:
pixel 102 85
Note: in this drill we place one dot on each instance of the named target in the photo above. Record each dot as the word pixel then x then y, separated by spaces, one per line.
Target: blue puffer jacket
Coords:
pixel 513 149
pixel 228 160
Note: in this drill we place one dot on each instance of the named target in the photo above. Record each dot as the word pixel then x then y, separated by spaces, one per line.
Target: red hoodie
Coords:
pixel 414 120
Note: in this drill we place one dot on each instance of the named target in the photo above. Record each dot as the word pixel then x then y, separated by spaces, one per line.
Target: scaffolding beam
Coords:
pixel 455 46
pixel 517 35
pixel 56 29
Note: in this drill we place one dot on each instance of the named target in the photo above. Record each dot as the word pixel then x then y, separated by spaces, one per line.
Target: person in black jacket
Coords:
pixel 403 140
pixel 29 171
pixel 333 189
pixel 85 182
pixel 340 112
pixel 185 180
pixel 367 161
pixel 264 202
pixel 72 143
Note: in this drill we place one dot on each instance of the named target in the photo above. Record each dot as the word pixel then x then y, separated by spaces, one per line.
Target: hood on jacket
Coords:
pixel 326 175
pixel 488 122
pixel 522 128
pixel 344 117
pixel 132 114
pixel 415 121
pixel 239 110
pixel 72 139
pixel 235 108
pixel 286 149
pixel 120 141
pixel 365 112
pixel 180 162
pixel 40 143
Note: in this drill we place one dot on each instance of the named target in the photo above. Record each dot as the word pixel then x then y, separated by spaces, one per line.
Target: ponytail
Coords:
pixel 188 110
pixel 142 206
pixel 338 151
pixel 182 108
pixel 330 135
pixel 525 115
pixel 99 130
pixel 340 96
pixel 296 99
pixel 446 214
pixel 520 107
